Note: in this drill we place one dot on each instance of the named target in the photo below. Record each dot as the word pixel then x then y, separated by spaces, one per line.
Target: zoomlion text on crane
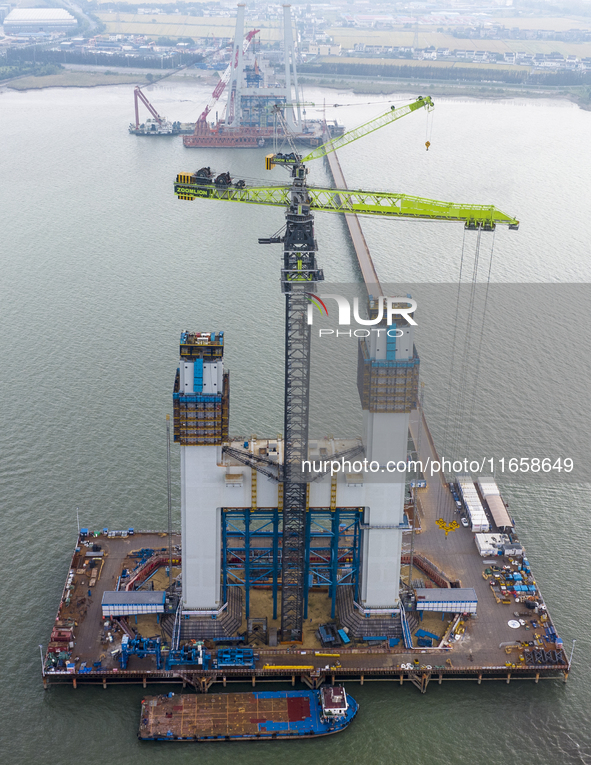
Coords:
pixel 402 307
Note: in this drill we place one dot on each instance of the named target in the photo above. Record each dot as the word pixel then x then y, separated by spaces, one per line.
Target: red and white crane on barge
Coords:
pixel 158 125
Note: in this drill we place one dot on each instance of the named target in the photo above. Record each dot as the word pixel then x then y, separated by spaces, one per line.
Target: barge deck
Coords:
pixel 240 716
pixel 484 647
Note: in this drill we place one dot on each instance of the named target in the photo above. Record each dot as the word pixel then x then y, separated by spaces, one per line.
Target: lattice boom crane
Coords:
pixel 225 78
pixel 299 275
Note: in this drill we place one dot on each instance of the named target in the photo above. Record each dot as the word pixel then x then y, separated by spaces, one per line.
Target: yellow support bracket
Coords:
pixel 253 489
pixel 333 493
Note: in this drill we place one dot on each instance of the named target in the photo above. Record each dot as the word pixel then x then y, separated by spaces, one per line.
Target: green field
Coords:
pixel 143 4
pixel 415 63
pixel 348 37
pixel 178 25
pixel 558 23
pixel 72 79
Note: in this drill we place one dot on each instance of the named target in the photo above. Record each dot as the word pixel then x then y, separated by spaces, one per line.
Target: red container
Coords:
pixel 61 636
pixel 56 647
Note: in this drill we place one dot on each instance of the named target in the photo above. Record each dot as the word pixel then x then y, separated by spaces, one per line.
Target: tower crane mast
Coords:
pixel 299 275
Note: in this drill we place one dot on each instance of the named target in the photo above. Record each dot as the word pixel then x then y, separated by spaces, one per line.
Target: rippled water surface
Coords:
pixel 101 267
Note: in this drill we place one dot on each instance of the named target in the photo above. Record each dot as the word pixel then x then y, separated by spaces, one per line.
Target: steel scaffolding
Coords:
pixel 252 552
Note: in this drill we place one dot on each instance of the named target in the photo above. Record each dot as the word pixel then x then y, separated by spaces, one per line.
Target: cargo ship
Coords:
pixel 246 716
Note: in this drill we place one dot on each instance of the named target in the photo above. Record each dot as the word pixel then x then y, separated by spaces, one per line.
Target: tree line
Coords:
pixel 466 74
pixel 16 57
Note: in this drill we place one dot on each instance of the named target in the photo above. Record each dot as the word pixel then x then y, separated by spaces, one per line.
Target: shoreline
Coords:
pixel 79 78
pixel 96 77
pixel 481 91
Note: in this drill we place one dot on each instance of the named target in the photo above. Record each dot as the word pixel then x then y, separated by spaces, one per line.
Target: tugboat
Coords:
pixel 246 716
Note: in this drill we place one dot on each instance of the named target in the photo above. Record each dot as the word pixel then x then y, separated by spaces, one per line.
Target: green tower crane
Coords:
pixel 299 274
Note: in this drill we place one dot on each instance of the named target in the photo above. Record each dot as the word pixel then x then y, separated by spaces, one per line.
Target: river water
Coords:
pixel 101 267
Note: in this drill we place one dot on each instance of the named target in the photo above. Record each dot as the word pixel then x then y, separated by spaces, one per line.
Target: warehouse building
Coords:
pixel 24 20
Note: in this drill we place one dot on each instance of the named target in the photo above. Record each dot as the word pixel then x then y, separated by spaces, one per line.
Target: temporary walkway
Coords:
pixel 368 271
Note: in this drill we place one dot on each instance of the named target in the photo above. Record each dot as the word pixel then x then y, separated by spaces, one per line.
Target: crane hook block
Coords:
pixel 427 144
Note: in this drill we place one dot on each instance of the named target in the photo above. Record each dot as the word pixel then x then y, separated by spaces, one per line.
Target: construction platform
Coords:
pixel 480 646
pixel 494 638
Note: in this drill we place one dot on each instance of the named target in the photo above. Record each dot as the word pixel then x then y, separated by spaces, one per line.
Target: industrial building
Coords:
pixel 23 20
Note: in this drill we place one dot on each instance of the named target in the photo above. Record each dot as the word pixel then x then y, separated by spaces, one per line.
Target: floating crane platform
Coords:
pixel 220 136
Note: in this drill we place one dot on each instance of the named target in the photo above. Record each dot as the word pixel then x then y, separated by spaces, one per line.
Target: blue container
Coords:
pixel 425 634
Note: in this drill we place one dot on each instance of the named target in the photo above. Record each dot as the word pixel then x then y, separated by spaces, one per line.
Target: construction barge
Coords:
pixel 252 716
pixel 254 95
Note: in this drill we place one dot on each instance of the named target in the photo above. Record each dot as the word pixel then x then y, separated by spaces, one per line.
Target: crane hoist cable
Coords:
pixel 415 489
pixel 456 407
pixel 450 385
pixel 459 422
pixel 428 128
pixel 470 361
pixel 470 424
pixel 463 414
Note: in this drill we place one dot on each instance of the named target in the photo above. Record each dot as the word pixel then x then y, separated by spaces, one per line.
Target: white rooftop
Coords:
pixel 39 14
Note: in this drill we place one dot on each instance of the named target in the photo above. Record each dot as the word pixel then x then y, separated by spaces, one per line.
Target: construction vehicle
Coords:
pixel 299 274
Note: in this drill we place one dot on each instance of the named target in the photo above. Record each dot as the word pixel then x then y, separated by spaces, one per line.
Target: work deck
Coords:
pixel 478 654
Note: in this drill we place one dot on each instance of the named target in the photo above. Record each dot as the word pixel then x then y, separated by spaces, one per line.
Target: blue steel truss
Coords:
pixel 251 551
